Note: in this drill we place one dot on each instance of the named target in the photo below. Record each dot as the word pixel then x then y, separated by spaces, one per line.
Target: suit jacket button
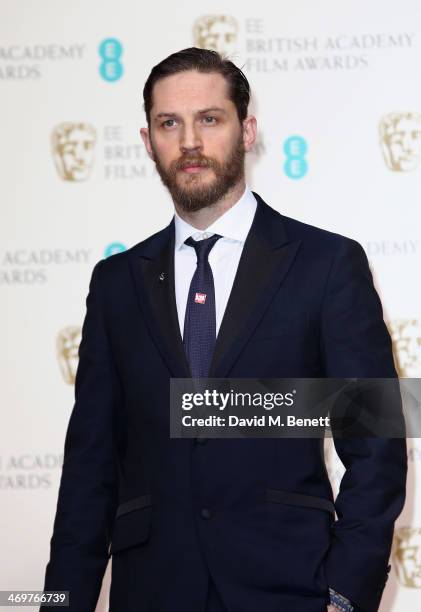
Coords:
pixel 205 513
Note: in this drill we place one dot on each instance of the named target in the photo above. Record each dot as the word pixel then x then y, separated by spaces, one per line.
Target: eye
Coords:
pixel 209 120
pixel 169 123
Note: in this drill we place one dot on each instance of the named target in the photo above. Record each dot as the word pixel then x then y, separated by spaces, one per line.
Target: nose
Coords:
pixel 190 140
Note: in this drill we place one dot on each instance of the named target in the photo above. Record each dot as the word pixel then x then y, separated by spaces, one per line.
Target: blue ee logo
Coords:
pixel 295 149
pixel 114 248
pixel 110 51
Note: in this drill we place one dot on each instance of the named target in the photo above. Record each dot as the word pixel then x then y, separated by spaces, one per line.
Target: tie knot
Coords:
pixel 203 247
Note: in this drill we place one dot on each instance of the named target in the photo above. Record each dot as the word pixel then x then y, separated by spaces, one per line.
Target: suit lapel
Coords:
pixel 266 258
pixel 152 267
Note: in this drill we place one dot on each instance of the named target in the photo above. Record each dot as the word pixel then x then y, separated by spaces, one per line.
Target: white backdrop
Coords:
pixel 337 94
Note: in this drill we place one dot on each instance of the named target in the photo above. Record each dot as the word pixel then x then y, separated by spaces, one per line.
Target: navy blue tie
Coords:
pixel 200 321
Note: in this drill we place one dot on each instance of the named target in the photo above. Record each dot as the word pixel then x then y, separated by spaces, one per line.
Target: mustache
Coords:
pixel 196 160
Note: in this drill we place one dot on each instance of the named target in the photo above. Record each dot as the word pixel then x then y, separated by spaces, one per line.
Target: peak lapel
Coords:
pixel 266 258
pixel 153 274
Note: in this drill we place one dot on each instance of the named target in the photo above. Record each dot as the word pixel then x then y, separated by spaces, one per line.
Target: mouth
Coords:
pixel 193 169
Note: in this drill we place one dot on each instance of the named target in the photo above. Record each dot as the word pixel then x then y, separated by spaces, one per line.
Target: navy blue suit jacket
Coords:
pixel 255 513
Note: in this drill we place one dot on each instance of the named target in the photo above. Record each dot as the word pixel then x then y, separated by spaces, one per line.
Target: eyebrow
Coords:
pixel 211 109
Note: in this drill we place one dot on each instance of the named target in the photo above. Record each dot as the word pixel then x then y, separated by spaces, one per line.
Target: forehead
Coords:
pixel 190 91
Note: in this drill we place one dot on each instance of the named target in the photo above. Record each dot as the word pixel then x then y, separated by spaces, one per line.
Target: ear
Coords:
pixel 144 133
pixel 249 132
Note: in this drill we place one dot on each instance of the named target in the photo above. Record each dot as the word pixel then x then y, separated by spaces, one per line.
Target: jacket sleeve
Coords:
pixel 87 496
pixel 355 343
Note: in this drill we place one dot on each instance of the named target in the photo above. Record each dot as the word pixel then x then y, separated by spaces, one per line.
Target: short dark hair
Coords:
pixel 206 61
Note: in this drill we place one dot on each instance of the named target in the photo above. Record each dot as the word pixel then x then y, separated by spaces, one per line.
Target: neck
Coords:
pixel 202 219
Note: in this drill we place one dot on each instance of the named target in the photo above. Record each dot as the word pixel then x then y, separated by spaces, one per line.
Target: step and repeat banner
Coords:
pixel 337 95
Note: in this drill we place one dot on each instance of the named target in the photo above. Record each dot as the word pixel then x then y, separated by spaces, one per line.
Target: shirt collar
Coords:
pixel 234 224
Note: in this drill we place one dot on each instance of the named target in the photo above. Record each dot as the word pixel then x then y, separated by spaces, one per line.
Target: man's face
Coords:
pixel 196 139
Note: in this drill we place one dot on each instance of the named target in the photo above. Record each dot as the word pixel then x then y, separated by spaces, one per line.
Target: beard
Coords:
pixel 195 194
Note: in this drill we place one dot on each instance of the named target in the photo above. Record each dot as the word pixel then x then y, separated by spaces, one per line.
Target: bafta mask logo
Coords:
pixel 407 556
pixel 406 338
pixel 73 146
pixel 400 140
pixel 216 32
pixel 68 341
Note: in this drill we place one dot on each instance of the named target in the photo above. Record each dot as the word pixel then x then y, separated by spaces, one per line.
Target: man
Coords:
pixel 229 288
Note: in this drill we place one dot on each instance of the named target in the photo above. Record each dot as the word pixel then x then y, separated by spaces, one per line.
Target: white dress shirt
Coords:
pixel 233 226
